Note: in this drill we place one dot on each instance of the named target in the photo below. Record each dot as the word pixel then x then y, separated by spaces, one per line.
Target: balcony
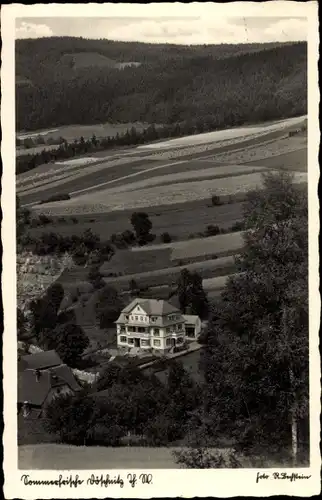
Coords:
pixel 138 331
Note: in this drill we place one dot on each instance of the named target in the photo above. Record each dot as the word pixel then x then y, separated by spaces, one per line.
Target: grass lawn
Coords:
pixel 62 457
pixel 179 220
pixel 128 262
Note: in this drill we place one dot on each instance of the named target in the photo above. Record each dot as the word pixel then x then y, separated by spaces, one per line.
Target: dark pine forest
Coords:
pixel 63 81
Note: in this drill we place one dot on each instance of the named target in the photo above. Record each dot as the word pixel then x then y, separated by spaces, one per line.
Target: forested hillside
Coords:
pixel 206 86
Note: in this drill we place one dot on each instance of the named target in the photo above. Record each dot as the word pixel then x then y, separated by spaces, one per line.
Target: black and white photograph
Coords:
pixel 165 306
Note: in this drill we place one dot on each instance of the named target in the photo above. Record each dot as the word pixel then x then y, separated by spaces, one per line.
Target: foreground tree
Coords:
pixel 72 418
pixel 256 357
pixel 255 361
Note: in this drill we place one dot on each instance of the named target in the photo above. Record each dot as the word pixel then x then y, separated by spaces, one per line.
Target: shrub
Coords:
pixel 55 197
pixel 43 219
pixel 212 230
pixel 237 226
pixel 215 200
pixel 34 222
pixel 61 220
pixel 166 238
pixel 74 220
pixel 95 278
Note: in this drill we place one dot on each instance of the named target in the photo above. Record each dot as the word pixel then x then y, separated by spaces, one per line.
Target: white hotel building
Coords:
pixel 153 324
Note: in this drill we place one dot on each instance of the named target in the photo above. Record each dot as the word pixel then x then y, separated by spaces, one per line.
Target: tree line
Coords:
pixel 204 88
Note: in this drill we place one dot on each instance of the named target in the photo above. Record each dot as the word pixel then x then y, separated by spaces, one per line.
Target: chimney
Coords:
pixel 25 409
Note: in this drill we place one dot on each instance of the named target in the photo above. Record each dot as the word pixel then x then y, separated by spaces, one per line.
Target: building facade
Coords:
pixel 192 326
pixel 150 324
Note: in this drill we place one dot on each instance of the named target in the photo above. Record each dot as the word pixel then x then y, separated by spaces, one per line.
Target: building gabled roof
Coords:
pixel 35 391
pixel 40 360
pixel 152 307
pixel 191 319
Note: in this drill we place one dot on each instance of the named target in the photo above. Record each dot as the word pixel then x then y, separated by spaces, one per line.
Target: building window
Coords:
pixel 136 318
pixel 131 328
pixel 157 343
pixel 157 332
pixel 145 343
pixel 179 327
pixel 153 319
pixel 168 342
pixel 168 330
pixel 122 329
pixel 141 329
pixel 123 338
pixel 131 341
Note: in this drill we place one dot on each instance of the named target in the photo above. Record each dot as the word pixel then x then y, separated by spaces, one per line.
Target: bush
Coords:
pixel 212 230
pixel 215 200
pixel 34 222
pixel 55 197
pixel 166 238
pixel 238 226
pixel 74 220
pixel 43 219
pixel 61 220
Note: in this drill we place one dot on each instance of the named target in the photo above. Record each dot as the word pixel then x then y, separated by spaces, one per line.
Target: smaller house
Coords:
pixel 192 326
pixel 42 377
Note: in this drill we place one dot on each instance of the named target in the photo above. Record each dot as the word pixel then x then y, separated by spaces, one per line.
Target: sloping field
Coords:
pixel 159 277
pixel 223 244
pixel 128 262
pixel 224 134
pixel 176 193
pixel 261 152
pixel 296 161
pixel 180 220
pixel 217 283
pixel 104 200
pixel 75 171
pixel 186 176
pixel 221 241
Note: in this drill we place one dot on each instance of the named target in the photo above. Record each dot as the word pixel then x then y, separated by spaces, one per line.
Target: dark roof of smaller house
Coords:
pixel 33 391
pixel 36 391
pixel 41 360
pixel 65 374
